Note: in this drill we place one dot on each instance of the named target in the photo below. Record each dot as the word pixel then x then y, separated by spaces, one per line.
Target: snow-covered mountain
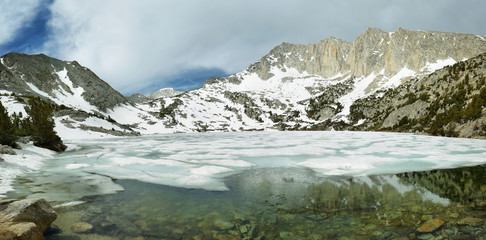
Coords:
pixel 304 86
pixel 65 83
pixel 161 93
pixel 293 87
pixel 87 103
pixel 164 93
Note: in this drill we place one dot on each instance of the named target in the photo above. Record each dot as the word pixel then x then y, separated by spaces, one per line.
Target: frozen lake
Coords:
pixel 204 160
pixel 280 184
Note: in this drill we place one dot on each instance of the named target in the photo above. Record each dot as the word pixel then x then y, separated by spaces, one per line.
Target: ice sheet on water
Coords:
pixel 58 186
pixel 28 160
pixel 203 160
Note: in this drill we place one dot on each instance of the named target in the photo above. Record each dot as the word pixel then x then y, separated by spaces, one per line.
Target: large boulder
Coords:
pixel 6 150
pixel 21 231
pixel 25 219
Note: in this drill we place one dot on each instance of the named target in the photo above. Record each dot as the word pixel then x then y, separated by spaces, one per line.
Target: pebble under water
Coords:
pixel 277 203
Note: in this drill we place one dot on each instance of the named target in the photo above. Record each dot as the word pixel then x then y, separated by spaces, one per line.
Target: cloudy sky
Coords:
pixel 145 45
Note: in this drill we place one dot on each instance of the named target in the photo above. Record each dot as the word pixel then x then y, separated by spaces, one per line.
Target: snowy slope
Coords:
pixel 252 103
pixel 297 87
pixel 71 97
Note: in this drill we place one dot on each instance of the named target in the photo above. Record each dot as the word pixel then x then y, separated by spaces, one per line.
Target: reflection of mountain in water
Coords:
pixel 295 189
pixel 293 203
pixel 461 185
pixel 402 202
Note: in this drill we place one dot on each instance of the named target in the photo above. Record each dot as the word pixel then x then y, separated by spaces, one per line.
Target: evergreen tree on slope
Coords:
pixel 7 135
pixel 43 133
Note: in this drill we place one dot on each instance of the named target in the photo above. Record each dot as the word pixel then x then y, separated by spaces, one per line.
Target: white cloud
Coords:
pixel 14 14
pixel 139 41
pixel 131 44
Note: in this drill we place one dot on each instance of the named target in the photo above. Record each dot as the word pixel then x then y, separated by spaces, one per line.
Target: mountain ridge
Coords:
pixel 321 86
pixel 163 93
pixel 38 75
pixel 370 51
pixel 283 90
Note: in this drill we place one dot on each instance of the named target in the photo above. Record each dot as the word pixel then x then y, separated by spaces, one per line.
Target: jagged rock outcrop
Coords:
pixel 373 51
pixel 25 219
pixel 39 75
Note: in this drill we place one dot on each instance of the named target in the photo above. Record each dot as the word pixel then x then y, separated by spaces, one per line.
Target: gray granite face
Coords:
pixel 371 52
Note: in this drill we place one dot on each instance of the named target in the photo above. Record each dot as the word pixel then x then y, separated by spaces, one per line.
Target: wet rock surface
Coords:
pixel 431 226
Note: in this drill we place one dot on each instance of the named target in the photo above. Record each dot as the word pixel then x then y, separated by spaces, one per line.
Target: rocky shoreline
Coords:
pixel 26 219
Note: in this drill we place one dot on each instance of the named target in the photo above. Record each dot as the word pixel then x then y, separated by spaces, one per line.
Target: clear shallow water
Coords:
pixel 283 185
pixel 375 207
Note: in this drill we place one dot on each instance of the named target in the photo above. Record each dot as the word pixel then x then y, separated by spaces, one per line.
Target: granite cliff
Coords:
pixel 372 52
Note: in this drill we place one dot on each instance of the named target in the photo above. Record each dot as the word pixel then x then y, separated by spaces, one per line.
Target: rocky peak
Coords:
pixel 46 77
pixel 137 98
pixel 372 52
pixel 163 93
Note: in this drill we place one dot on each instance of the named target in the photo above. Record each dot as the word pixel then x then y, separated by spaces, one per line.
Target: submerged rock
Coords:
pixel 137 238
pixel 143 225
pixel 81 227
pixel 430 226
pixel 52 230
pixel 471 221
pixel 222 224
pixel 108 226
pixel 25 219
pixel 425 236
